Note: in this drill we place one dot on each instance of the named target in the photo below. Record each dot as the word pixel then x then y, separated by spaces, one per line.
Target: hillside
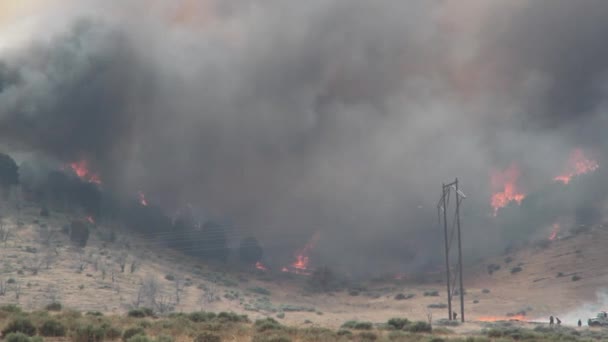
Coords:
pixel 40 266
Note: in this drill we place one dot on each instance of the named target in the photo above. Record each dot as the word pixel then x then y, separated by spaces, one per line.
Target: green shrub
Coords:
pixel 418 327
pixel 260 290
pixel 94 313
pixel 88 333
pixel 132 332
pixel 431 293
pixel 110 332
pixel 368 336
pixel 401 296
pixel 485 291
pixel 170 277
pixel 207 337
pixel 232 317
pixel 52 328
pixel 139 338
pixel 10 308
pixel 164 338
pixel 55 306
pixel 437 306
pixel 22 325
pixel 19 337
pixel 358 325
pixel 274 337
pixel 141 313
pixel 576 278
pixel 397 323
pixel 201 316
pixel 267 324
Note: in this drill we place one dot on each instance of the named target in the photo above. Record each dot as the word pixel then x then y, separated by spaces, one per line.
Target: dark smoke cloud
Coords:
pixel 342 117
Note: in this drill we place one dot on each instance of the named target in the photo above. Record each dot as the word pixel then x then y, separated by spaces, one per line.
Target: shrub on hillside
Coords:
pixel 516 269
pixel 397 323
pixel 88 333
pixel 418 327
pixel 139 338
pixel 19 337
pixel 201 316
pixel 207 337
pixel 132 332
pixel 267 324
pixel 22 325
pixel 52 328
pixel 141 313
pixel 358 325
pixel 55 306
pixel 431 293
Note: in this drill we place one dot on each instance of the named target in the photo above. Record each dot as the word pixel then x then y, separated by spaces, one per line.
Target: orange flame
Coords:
pixel 554 232
pixel 260 266
pixel 142 199
pixel 81 168
pixel 501 318
pixel 506 189
pixel 300 266
pixel 578 164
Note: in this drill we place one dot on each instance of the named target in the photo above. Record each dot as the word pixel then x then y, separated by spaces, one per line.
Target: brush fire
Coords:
pixel 505 184
pixel 81 168
pixel 578 164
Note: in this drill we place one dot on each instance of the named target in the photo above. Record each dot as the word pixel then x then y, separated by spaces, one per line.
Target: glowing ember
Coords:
pixel 284 269
pixel 578 164
pixel 142 199
pixel 81 169
pixel 506 189
pixel 554 232
pixel 260 266
pixel 501 318
pixel 90 219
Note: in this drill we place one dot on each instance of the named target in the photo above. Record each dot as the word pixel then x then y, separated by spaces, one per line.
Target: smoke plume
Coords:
pixel 285 119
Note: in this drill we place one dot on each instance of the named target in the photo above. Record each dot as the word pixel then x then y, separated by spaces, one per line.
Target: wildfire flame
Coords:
pixel 142 199
pixel 501 318
pixel 554 232
pixel 260 266
pixel 301 265
pixel 578 164
pixel 506 188
pixel 81 168
pixel 90 219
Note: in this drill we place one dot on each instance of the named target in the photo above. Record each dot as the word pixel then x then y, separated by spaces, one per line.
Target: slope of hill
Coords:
pixel 40 266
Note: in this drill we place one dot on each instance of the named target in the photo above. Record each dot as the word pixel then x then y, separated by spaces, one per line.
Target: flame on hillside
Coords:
pixel 554 232
pixel 578 164
pixel 302 263
pixel 81 169
pixel 90 219
pixel 260 266
pixel 501 318
pixel 506 188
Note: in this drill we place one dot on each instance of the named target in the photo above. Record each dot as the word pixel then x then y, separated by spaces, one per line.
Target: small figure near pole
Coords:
pixel 580 324
pixel 558 320
pixel 550 320
pixel 454 314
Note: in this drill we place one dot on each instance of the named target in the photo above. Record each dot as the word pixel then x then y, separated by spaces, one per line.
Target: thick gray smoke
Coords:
pixel 288 118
